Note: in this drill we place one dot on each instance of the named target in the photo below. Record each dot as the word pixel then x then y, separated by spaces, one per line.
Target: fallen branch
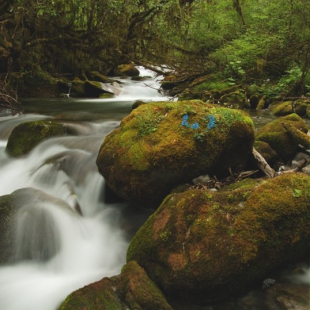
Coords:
pixel 263 165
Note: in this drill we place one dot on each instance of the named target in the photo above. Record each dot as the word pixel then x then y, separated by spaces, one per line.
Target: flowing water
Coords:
pixel 56 250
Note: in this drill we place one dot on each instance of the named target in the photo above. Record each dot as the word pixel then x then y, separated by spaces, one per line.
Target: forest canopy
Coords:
pixel 244 41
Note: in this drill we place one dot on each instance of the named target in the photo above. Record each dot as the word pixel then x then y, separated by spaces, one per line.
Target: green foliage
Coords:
pixel 262 40
pixel 297 193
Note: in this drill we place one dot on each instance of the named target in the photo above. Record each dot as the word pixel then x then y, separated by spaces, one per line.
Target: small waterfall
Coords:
pixel 145 89
pixel 55 250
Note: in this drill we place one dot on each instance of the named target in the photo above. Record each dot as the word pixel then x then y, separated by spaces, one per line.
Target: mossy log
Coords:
pixel 300 137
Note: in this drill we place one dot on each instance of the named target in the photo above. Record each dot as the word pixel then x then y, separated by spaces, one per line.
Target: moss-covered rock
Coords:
pixel 201 246
pixel 287 107
pixel 164 144
pixel 266 151
pixel 278 138
pixel 128 70
pixel 93 89
pixel 77 89
pixel 99 295
pixel 27 135
pixel 6 218
pixel 235 99
pixel 131 290
pixel 139 291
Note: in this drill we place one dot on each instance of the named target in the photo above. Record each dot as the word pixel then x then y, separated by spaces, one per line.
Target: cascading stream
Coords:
pixel 56 250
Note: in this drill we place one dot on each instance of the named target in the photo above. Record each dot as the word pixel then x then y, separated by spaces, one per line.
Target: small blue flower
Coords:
pixel 211 120
pixel 184 120
pixel 195 126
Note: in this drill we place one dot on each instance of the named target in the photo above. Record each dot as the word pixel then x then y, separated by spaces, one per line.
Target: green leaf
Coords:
pixel 297 193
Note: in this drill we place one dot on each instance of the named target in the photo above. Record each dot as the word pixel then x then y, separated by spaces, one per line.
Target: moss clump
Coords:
pixel 129 70
pixel 27 135
pixel 140 292
pixel 288 107
pixel 278 138
pixel 221 246
pixel 132 289
pixel 162 145
pixel 99 295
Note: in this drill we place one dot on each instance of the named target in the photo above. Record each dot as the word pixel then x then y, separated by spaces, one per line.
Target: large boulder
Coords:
pixel 132 289
pixel 203 246
pixel 164 144
pixel 27 135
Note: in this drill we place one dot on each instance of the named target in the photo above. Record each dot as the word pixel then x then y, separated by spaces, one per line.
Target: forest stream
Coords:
pixel 57 251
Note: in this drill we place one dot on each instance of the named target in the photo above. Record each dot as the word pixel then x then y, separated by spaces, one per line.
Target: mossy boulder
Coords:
pixel 279 139
pixel 288 107
pixel 128 70
pixel 77 89
pixel 202 246
pixel 131 290
pixel 266 151
pixel 164 144
pixel 235 99
pixel 99 295
pixel 27 135
pixel 93 89
pixel 98 77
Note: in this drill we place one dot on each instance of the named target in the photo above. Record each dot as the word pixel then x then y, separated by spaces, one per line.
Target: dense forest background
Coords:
pixel 256 42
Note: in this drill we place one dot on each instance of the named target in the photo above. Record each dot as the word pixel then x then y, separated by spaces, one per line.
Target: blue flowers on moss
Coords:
pixel 184 121
pixel 211 120
pixel 195 126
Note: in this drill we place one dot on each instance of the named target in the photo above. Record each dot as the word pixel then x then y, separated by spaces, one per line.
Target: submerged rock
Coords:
pixel 132 289
pixel 164 144
pixel 200 246
pixel 27 228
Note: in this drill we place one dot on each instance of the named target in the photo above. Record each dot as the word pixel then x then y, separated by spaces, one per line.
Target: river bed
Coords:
pixel 92 246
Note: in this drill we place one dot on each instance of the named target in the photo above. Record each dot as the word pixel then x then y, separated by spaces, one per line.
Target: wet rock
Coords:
pixel 288 296
pixel 128 70
pixel 6 218
pixel 161 145
pixel 26 224
pixel 279 139
pixel 201 247
pixel 27 135
pixel 287 107
pixel 132 289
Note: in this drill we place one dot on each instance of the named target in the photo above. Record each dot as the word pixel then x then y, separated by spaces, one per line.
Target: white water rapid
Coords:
pixel 55 249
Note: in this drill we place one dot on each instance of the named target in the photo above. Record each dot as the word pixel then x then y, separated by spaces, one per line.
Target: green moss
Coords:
pixel 275 135
pixel 140 291
pixel 222 245
pixel 161 145
pixel 27 135
pixel 99 295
